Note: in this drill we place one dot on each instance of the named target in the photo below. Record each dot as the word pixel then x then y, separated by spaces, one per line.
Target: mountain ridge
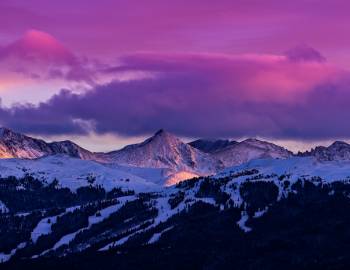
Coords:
pixel 165 151
pixel 17 145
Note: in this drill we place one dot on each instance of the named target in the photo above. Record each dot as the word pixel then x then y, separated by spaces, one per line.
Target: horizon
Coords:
pixel 109 74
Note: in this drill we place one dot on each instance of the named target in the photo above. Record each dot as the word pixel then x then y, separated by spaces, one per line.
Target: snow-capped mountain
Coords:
pixel 164 150
pixel 336 151
pixel 16 145
pixel 210 146
pixel 163 158
pixel 248 150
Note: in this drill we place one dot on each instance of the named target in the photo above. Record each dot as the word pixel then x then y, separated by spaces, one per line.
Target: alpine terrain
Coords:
pixel 163 203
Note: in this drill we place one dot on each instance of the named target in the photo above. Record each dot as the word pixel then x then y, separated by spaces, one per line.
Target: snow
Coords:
pixel 242 222
pixel 260 213
pixel 164 211
pixel 154 175
pixel 5 257
pixel 65 240
pixel 155 238
pixel 3 208
pixel 297 167
pixel 44 226
pixel 73 173
pixel 179 177
pixel 104 214
pixel 248 150
pixel 124 239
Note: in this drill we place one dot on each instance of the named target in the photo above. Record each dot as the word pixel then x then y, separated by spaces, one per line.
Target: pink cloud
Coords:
pixel 113 28
pixel 202 95
pixel 255 77
pixel 39 55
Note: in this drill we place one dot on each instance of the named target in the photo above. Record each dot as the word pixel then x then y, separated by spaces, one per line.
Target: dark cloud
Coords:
pixel 201 95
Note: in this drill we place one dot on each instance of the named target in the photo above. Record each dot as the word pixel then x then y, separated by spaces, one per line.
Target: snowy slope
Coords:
pixel 248 150
pixel 167 202
pixel 307 168
pixel 73 173
pixel 154 175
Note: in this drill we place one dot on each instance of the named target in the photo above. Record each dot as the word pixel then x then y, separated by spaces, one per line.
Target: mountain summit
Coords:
pixel 164 150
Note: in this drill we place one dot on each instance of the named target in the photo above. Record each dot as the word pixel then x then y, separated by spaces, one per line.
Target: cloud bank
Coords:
pixel 293 96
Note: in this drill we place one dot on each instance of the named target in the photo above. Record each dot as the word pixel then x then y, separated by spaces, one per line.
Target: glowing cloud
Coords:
pixel 202 95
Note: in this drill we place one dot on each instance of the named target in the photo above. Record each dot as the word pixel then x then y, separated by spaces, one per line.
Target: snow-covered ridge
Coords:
pixel 248 150
pixel 336 151
pixel 74 173
pixel 16 145
pixel 295 168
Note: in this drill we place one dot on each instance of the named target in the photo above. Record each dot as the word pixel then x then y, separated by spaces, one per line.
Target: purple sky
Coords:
pixel 106 72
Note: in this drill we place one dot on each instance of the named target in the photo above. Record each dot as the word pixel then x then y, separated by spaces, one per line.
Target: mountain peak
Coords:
pixel 159 132
pixel 164 134
pixel 339 144
pixel 165 150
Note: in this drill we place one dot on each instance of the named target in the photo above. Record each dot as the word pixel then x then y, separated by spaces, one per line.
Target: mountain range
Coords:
pixel 170 159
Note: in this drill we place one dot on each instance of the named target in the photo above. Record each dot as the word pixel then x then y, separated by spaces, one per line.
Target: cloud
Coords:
pixel 39 55
pixel 201 95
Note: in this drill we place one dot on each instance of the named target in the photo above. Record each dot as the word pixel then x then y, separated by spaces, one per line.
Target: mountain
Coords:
pixel 164 150
pixel 336 151
pixel 16 145
pixel 248 150
pixel 210 146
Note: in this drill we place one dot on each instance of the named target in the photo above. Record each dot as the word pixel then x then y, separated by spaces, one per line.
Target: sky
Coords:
pixel 110 72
